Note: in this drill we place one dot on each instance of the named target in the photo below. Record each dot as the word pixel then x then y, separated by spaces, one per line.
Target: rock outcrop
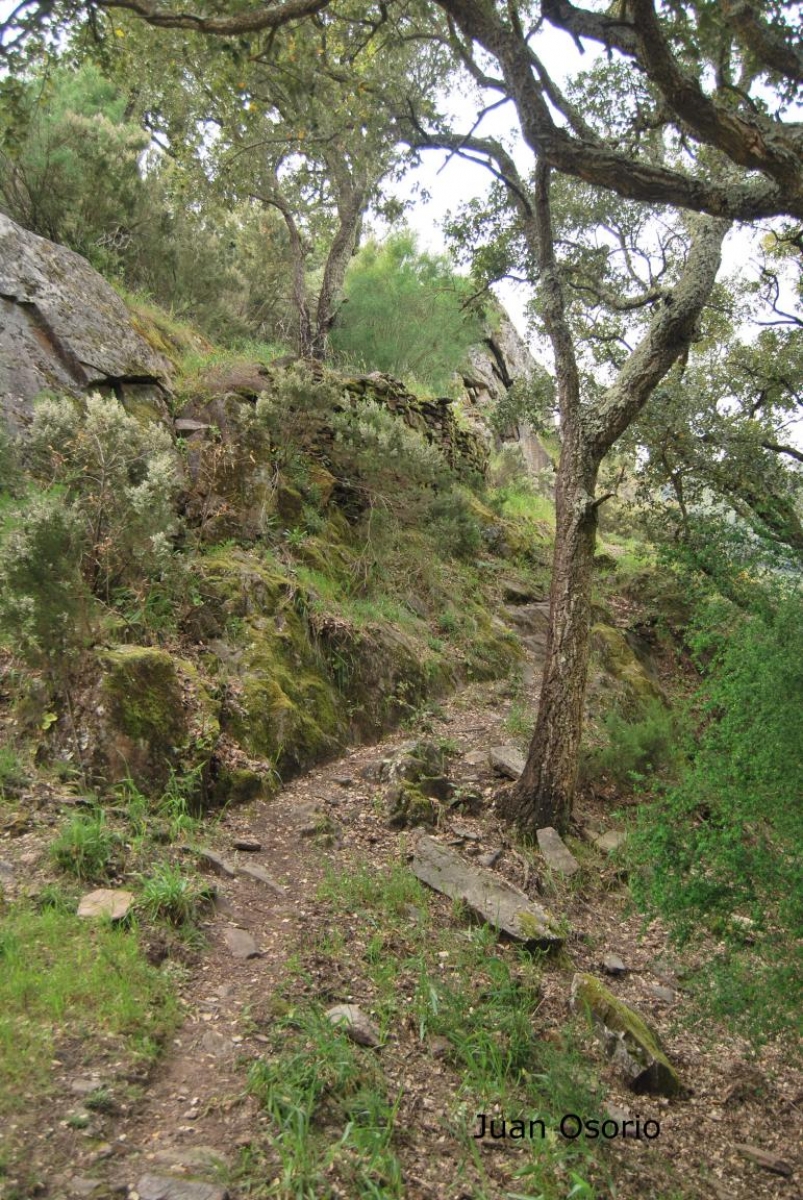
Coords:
pixel 495 365
pixel 63 327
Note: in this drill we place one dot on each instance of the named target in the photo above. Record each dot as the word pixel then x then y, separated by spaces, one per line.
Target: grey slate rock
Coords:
pixel 356 1025
pixel 557 854
pixel 613 965
pixel 260 876
pixel 506 760
pixel 166 1187
pixel 217 863
pixel 241 944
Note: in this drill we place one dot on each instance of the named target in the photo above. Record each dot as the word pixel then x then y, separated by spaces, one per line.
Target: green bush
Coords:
pixel 120 478
pixel 170 895
pixel 723 848
pixel 633 749
pixel 43 601
pixel 406 313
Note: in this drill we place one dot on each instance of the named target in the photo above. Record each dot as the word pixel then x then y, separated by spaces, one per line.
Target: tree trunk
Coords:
pixel 351 204
pixel 544 793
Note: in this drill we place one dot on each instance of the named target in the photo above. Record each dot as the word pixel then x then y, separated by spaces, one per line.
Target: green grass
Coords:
pixel 86 847
pixel 169 894
pixel 13 775
pixel 427 979
pixel 63 979
pixel 518 502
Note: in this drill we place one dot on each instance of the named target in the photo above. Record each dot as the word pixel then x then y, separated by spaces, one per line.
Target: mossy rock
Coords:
pixel 621 677
pixel 632 1044
pixel 409 805
pixel 243 785
pixel 147 723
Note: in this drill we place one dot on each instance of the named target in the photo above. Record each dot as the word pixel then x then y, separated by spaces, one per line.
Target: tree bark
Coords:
pixel 351 203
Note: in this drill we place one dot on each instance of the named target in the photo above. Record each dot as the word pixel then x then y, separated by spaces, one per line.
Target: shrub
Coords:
pixel 725 844
pixel 43 601
pixel 633 749
pixel 120 477
pixel 407 313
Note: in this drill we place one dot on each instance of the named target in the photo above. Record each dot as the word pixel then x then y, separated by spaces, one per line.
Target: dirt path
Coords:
pixel 196 1115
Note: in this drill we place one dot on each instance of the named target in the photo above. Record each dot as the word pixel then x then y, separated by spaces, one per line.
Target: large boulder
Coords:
pixel 63 327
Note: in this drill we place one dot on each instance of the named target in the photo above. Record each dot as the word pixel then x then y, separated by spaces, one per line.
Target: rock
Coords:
pixel 84 1087
pixel 113 903
pixel 217 863
pixel 344 781
pixel 422 765
pixel 6 872
pixel 506 760
pixel 476 758
pixel 64 328
pixel 557 854
pixel 465 834
pixel 491 898
pixel 356 1024
pixel 250 845
pixel 613 965
pixel 241 944
pixel 765 1159
pixel 216 1044
pixel 609 841
pixel 620 1116
pixel 260 876
pixel 164 1187
pixel 409 807
pixel 664 994
pixel 79 1185
pixel 490 857
pixel 631 1043
pixel 439 1047
pixel 518 593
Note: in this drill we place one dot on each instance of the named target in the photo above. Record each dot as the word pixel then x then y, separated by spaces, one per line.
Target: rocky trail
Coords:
pixel 192 1131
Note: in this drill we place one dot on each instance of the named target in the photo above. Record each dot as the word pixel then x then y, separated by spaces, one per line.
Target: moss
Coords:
pixel 626 1026
pixel 408 805
pixel 612 651
pixel 241 785
pixel 144 695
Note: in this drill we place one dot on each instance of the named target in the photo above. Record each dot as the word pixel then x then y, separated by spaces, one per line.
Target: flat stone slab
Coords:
pixel 241 944
pixel 506 760
pixel 355 1024
pixel 765 1159
pixel 250 845
pixel 217 863
pixel 106 902
pixel 557 854
pixel 613 965
pixel 260 876
pixel 165 1187
pixel 493 899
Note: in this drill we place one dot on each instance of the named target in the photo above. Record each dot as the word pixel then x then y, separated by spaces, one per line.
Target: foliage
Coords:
pixel 120 478
pixel 406 313
pixel 633 749
pixel 13 775
pixel 43 600
pixel 724 844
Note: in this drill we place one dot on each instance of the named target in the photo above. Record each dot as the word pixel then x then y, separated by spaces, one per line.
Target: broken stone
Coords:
pixel 609 841
pixel 344 781
pixel 355 1024
pixel 240 943
pixel 506 760
pixel 620 1116
pixel 465 835
pixel 664 994
pixel 79 1185
pixel 631 1043
pixel 251 845
pixel 557 854
pixel 216 1044
pixel 106 902
pixel 260 876
pixel 6 871
pixel 613 965
pixel 217 863
pixel 490 857
pixel 493 899
pixel 84 1087
pixel 518 593
pixel 439 1047
pixel 765 1159
pixel 164 1187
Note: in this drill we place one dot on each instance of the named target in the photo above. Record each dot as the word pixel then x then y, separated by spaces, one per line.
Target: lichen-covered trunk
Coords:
pixel 351 203
pixel 544 793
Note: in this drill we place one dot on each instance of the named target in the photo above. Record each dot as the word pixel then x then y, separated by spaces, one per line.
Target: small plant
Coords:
pixel 13 776
pixel 86 847
pixel 170 895
pixel 634 749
